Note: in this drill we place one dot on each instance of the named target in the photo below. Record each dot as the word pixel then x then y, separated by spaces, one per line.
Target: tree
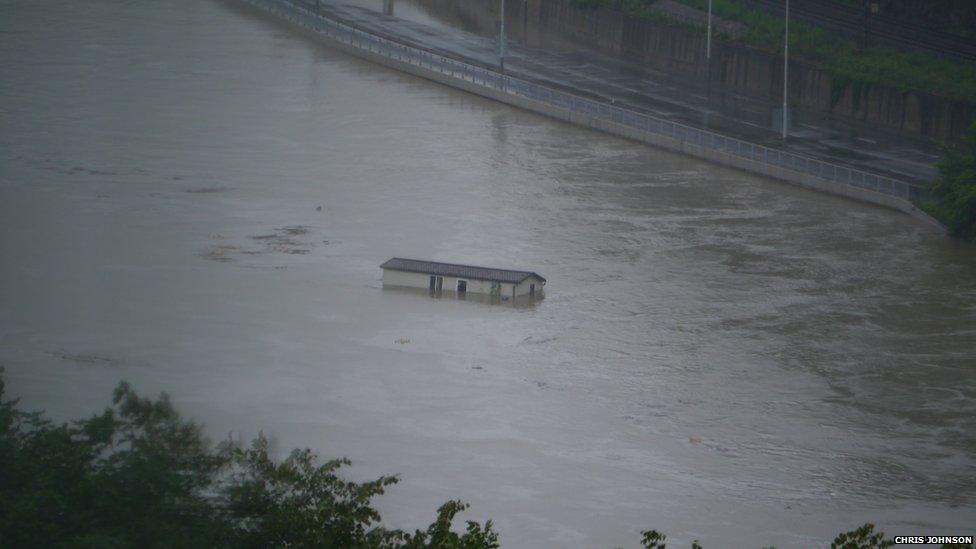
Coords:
pixel 954 193
pixel 138 475
pixel 135 475
pixel 863 538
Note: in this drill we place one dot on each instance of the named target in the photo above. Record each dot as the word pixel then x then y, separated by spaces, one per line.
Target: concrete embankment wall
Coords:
pixel 739 70
pixel 308 20
pixel 758 73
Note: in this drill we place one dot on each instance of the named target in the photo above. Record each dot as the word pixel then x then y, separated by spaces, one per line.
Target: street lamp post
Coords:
pixel 501 39
pixel 708 40
pixel 786 63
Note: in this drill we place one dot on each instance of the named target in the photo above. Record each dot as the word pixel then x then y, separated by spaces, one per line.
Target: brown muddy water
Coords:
pixel 718 356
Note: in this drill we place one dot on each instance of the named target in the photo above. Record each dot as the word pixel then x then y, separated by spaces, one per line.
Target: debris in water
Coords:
pixel 280 241
pixel 207 190
pixel 84 358
pixel 220 253
pixel 402 341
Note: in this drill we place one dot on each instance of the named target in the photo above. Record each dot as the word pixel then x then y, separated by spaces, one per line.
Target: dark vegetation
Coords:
pixel 846 61
pixel 956 17
pixel 138 475
pixel 954 192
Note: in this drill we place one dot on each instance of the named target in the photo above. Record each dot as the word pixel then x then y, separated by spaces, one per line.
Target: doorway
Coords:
pixel 462 286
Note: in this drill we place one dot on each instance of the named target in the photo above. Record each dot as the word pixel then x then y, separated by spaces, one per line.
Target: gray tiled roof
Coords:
pixel 460 271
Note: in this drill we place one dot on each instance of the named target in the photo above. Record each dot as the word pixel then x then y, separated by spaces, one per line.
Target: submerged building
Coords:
pixel 436 277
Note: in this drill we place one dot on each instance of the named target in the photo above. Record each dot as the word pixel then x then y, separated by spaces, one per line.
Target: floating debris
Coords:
pixel 284 240
pixel 84 358
pixel 221 253
pixel 207 190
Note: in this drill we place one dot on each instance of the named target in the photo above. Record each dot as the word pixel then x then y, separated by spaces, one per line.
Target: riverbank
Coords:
pixel 601 115
pixel 556 48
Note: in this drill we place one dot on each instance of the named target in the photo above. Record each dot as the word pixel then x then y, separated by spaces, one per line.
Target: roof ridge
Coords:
pixel 458 269
pixel 461 265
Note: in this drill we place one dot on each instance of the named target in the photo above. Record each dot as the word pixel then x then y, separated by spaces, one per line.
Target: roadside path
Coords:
pixel 628 85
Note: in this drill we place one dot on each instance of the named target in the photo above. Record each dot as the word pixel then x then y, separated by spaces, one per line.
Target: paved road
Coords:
pixel 594 74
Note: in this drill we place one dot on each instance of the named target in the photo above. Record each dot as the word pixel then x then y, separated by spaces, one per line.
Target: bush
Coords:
pixel 138 475
pixel 954 193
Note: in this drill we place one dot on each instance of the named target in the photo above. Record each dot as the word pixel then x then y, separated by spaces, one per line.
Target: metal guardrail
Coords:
pixel 305 15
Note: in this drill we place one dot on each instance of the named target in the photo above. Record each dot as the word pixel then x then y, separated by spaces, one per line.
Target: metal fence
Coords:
pixel 304 14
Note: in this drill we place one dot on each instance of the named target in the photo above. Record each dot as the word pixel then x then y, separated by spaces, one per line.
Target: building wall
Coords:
pixel 404 279
pixel 524 287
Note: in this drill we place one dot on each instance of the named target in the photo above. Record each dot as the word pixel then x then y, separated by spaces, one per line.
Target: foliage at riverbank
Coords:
pixel 954 192
pixel 844 59
pixel 138 475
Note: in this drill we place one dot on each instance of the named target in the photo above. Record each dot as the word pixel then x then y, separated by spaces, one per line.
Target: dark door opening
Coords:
pixel 531 289
pixel 462 286
pixel 433 283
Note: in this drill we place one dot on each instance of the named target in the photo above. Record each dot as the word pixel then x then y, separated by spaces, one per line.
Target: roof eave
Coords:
pixel 530 275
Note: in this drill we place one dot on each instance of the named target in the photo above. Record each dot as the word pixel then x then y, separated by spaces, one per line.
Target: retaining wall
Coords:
pixel 756 73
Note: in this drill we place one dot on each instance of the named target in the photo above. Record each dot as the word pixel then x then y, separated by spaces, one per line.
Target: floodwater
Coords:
pixel 718 356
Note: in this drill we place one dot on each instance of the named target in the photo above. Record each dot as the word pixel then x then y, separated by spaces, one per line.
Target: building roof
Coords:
pixel 460 271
